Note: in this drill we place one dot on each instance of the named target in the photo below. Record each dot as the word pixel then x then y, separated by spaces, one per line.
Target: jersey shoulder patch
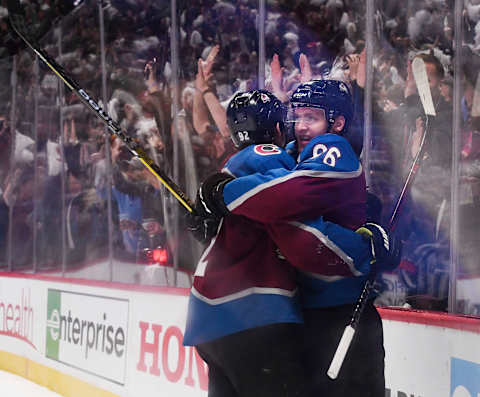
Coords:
pixel 267 149
pixel 258 159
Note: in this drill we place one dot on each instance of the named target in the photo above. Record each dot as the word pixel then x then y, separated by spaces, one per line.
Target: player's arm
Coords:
pixel 282 195
pixel 289 196
pixel 328 177
pixel 209 204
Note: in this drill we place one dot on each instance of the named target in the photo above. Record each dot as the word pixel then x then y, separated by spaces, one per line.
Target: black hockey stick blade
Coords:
pixel 17 23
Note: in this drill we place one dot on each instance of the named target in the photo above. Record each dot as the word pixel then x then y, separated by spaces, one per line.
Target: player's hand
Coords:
pixel 386 248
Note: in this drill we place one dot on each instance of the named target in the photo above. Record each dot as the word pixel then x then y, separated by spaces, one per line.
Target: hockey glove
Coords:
pixel 209 203
pixel 203 229
pixel 209 207
pixel 386 248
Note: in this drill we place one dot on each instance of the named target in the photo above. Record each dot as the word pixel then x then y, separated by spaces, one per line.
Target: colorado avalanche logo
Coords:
pixel 266 150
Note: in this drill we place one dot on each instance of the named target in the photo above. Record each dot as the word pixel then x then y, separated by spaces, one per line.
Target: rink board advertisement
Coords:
pixel 79 338
pixel 88 332
pixel 431 354
pixel 115 339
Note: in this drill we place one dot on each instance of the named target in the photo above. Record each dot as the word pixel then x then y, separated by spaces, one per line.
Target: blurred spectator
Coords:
pixel 22 151
pixel 18 197
pixel 85 216
pixel 136 201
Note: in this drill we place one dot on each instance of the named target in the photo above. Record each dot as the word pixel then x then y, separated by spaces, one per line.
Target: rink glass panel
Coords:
pixel 119 245
pixel 144 249
pixel 6 148
pixel 466 176
pixel 201 141
pixel 21 175
pixel 86 217
pixel 424 220
pixel 440 243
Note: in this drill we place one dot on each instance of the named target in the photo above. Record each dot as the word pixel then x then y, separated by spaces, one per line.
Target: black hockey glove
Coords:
pixel 209 207
pixel 203 229
pixel 386 248
pixel 209 201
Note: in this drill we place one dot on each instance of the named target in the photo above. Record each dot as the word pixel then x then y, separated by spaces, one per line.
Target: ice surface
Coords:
pixel 16 386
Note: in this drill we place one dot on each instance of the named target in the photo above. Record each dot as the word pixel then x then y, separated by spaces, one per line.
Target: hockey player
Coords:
pixel 321 113
pixel 254 117
pixel 328 181
pixel 243 314
pixel 343 253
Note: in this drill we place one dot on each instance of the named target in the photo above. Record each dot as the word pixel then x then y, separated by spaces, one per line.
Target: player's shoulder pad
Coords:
pixel 330 152
pixel 258 159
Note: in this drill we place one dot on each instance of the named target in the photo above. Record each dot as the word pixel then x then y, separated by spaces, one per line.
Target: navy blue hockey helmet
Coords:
pixel 253 116
pixel 332 96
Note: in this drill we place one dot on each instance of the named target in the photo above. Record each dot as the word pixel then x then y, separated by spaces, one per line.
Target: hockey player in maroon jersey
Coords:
pixel 243 316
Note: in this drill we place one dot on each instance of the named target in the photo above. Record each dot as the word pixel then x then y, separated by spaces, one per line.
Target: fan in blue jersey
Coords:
pixel 328 181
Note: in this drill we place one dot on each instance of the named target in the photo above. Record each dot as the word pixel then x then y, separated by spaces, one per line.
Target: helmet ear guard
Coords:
pixel 253 116
pixel 332 96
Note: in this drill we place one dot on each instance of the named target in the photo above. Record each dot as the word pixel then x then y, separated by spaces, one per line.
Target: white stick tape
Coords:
pixel 342 349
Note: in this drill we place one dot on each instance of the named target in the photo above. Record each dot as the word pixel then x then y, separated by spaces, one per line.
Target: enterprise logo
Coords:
pixel 53 325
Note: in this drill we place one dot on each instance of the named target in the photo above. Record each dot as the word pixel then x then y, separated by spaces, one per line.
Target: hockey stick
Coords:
pixel 423 87
pixel 17 22
pixel 421 79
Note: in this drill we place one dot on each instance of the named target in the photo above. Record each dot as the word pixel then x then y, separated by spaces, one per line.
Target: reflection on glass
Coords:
pixel 5 149
pixel 19 193
pixel 139 73
pixel 468 270
pixel 406 33
pixel 218 48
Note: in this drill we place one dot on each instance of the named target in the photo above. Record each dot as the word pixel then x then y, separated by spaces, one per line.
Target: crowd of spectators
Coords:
pixel 218 55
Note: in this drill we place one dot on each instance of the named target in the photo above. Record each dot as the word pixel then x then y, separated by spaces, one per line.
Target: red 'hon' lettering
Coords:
pixel 173 376
pixel 152 348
